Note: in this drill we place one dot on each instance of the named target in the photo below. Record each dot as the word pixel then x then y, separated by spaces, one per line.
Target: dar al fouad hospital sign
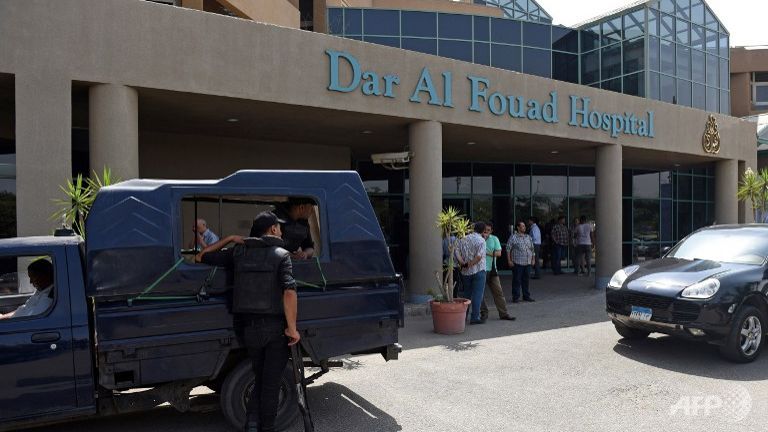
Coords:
pixel 439 92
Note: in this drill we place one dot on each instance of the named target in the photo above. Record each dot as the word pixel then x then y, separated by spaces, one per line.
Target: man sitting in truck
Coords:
pixel 40 274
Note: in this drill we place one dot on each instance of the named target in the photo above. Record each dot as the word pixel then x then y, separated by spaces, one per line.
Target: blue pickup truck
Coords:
pixel 129 308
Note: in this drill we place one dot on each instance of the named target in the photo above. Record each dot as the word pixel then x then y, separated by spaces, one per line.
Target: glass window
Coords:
pixel 537 35
pixel 457 178
pixel 634 55
pixel 611 31
pixel 665 184
pixel 667 55
pixel 612 85
pixel 482 53
pixel 683 8
pixel 683 92
pixel 667 28
pixel 353 21
pixel 709 19
pixel 459 50
pixel 590 67
pixel 699 188
pixel 697 12
pixel 683 62
pixel 725 82
pixel 381 22
pixel 548 207
pixel 497 174
pixel 653 86
pixel 683 187
pixel 653 22
pixel 682 32
pixel 634 24
pixel 667 6
pixel 611 61
pixel 454 26
pixel 505 31
pixel 711 42
pixel 521 5
pixel 653 53
pixel 712 66
pixel 698 66
pixel 537 62
pixel 725 102
pixel 335 21
pixel 666 220
pixel 422 24
pixel 377 179
pixel 684 219
pixel 590 39
pixel 634 84
pixel 549 180
pixel 645 184
pixel 713 99
pixel 382 40
pixel 698 95
pixel 697 37
pixel 482 28
pixel 645 224
pixel 427 46
pixel 581 181
pixel 522 180
pixel 565 39
pixel 565 67
pixel 724 48
pixel 21 297
pixel 667 93
pixel 506 57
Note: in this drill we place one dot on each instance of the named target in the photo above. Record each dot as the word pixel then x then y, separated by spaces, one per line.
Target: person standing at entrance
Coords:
pixel 520 257
pixel 265 305
pixel 471 256
pixel 559 244
pixel 585 238
pixel 492 281
pixel 533 229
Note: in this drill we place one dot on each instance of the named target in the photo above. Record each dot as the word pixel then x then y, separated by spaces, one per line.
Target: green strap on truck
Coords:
pixel 320 268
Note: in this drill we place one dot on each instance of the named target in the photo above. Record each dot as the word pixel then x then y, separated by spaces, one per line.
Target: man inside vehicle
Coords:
pixel 40 274
pixel 296 234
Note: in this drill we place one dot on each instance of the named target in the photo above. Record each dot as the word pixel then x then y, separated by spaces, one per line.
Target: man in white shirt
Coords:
pixel 41 277
pixel 585 240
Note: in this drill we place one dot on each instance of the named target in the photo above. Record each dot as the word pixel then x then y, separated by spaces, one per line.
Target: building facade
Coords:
pixel 138 87
pixel 749 86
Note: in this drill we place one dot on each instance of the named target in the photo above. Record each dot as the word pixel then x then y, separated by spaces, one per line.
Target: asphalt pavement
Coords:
pixel 559 367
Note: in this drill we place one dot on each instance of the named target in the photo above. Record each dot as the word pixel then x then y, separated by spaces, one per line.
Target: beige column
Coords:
pixel 426 197
pixel 726 184
pixel 745 210
pixel 608 166
pixel 113 121
pixel 43 148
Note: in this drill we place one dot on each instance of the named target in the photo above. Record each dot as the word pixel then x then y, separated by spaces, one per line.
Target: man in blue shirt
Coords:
pixel 203 236
pixel 533 229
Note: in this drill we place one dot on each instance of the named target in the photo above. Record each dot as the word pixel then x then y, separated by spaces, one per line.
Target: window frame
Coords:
pixel 754 84
pixel 57 282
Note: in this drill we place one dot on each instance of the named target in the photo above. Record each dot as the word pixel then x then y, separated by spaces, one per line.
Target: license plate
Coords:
pixel 641 313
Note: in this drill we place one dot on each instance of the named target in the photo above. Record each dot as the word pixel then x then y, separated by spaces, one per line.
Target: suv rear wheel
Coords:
pixel 747 336
pixel 629 332
pixel 236 391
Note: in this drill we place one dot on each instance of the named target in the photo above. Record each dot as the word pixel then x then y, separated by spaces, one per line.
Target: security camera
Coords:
pixel 391 158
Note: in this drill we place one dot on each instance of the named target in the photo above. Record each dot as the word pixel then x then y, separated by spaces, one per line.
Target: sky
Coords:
pixel 746 21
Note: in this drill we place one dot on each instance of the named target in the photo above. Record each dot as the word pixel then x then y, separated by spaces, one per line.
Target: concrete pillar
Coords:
pixel 745 209
pixel 726 185
pixel 426 197
pixel 113 122
pixel 43 148
pixel 608 174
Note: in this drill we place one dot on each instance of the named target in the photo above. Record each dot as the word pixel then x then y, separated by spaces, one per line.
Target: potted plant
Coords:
pixel 754 188
pixel 78 196
pixel 449 313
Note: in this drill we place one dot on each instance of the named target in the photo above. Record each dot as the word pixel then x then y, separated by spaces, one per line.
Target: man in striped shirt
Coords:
pixel 470 254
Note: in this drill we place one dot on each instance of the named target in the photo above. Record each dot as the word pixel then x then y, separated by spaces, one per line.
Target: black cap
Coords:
pixel 262 222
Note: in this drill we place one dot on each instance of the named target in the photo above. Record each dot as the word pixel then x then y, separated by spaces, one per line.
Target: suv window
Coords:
pixel 26 286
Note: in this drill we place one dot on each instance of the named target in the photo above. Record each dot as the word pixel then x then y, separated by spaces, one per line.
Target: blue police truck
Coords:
pixel 130 309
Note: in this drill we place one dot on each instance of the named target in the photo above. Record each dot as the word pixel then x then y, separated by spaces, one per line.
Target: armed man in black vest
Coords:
pixel 265 302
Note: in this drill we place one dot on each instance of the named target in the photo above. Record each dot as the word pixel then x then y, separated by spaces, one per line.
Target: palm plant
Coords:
pixel 453 226
pixel 79 195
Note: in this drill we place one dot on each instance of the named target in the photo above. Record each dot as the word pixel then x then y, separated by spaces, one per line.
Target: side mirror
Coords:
pixel 665 249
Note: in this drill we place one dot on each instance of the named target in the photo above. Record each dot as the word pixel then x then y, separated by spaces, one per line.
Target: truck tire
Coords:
pixel 629 332
pixel 746 338
pixel 236 391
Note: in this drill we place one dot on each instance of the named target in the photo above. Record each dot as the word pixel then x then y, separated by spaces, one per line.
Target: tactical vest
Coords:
pixel 257 288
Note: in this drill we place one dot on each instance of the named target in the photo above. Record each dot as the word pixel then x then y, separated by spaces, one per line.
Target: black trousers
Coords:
pixel 268 350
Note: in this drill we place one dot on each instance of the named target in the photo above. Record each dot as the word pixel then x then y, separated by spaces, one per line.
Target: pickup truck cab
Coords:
pixel 130 309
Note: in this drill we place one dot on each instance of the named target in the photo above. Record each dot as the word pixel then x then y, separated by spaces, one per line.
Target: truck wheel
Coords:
pixel 746 337
pixel 236 391
pixel 629 332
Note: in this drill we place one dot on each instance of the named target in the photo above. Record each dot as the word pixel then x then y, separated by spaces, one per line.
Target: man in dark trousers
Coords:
pixel 265 303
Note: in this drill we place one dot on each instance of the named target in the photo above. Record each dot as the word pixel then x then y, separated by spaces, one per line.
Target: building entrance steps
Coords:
pixel 548 288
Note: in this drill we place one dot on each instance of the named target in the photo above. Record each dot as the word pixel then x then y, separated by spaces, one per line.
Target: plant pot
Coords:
pixel 449 318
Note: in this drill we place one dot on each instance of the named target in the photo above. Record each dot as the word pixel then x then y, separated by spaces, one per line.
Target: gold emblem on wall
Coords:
pixel 711 139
